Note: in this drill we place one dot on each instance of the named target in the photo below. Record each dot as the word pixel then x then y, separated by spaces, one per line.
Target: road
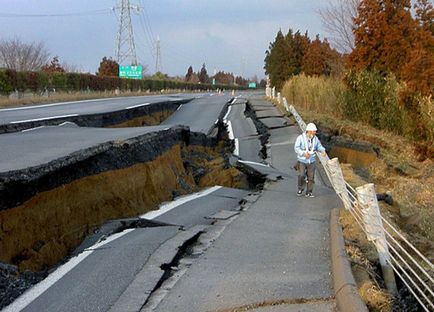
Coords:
pixel 86 107
pixel 37 146
pixel 274 249
pixel 87 282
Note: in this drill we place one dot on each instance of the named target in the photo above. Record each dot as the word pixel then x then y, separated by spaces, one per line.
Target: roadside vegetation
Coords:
pixel 377 89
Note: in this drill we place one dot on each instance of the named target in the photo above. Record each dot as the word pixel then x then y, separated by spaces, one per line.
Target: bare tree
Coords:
pixel 338 19
pixel 21 56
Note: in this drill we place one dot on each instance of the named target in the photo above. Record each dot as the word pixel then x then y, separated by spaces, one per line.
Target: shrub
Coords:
pixel 5 84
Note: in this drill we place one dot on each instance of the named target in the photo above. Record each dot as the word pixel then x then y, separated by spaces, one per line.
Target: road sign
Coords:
pixel 133 72
pixel 252 85
pixel 213 81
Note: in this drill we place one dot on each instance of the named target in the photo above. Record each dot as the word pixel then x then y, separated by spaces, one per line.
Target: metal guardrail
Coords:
pixel 397 255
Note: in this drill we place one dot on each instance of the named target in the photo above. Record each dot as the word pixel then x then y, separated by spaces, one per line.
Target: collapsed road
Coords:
pixel 50 176
pixel 140 263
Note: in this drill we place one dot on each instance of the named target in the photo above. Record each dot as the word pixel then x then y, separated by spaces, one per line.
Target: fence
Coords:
pixel 397 255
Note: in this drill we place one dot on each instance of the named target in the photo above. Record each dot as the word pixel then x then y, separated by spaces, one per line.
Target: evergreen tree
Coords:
pixel 203 75
pixel 189 74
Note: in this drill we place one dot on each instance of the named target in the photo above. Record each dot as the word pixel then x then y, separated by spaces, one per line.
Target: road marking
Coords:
pixel 30 295
pixel 231 132
pixel 138 105
pixel 54 104
pixel 180 201
pixel 43 118
pixel 254 163
pixel 227 113
pixel 237 148
pixel 31 129
pixel 179 107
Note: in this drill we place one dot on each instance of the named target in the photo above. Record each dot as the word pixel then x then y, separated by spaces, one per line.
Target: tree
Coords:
pixel 277 60
pixel 384 35
pixel 54 66
pixel 425 15
pixel 338 20
pixel 189 74
pixel 203 75
pixel 21 56
pixel 108 67
pixel 316 60
pixel 224 78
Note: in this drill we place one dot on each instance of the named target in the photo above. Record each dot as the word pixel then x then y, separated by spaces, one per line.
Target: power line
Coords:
pixel 84 13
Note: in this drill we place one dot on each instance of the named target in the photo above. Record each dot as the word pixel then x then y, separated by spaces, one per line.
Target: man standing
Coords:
pixel 305 146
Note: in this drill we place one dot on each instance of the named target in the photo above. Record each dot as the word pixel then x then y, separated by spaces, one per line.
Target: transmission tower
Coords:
pixel 125 47
pixel 158 56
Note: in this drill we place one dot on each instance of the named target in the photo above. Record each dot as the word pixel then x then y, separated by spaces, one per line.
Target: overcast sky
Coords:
pixel 229 35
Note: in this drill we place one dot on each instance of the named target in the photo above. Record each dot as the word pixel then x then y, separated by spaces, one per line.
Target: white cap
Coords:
pixel 311 127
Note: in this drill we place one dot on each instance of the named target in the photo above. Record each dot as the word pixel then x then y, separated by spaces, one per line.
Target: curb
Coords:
pixel 347 296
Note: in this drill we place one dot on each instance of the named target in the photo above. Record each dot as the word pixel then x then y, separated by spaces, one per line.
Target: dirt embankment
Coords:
pixel 49 214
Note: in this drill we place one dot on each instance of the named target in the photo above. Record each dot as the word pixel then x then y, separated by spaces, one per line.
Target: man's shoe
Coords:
pixel 299 192
pixel 310 195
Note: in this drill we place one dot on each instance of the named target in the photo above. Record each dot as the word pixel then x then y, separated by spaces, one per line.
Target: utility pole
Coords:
pixel 125 46
pixel 158 56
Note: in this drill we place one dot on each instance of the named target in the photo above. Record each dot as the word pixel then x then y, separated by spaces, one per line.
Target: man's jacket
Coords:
pixel 304 144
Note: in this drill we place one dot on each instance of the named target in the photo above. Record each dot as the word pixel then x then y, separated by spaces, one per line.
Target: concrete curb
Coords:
pixel 347 297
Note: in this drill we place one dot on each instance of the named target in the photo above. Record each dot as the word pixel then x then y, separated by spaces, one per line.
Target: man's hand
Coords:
pixel 307 155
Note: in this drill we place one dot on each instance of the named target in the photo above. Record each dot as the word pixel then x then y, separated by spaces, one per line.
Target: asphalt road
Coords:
pixel 200 114
pixel 96 283
pixel 37 146
pixel 41 145
pixel 87 107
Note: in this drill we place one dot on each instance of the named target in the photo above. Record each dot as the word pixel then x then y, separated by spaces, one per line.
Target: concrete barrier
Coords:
pixel 347 297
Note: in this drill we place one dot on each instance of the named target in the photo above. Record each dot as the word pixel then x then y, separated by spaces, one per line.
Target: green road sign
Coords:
pixel 252 85
pixel 133 72
pixel 213 81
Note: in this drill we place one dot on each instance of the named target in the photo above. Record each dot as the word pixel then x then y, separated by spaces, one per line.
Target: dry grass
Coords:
pixel 363 257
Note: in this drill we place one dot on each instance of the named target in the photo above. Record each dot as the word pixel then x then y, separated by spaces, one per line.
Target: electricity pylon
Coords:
pixel 125 46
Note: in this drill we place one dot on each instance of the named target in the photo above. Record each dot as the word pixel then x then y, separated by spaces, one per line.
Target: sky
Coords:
pixel 228 35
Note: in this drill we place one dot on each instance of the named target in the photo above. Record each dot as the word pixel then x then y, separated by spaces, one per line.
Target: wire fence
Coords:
pixel 397 255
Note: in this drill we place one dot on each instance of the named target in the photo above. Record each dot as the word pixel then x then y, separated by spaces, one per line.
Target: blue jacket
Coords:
pixel 300 148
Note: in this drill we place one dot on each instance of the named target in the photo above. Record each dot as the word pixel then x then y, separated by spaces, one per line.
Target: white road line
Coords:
pixel 138 105
pixel 50 105
pixel 227 113
pixel 237 148
pixel 43 118
pixel 233 101
pixel 231 132
pixel 179 107
pixel 25 299
pixel 254 163
pixel 180 201
pixel 31 129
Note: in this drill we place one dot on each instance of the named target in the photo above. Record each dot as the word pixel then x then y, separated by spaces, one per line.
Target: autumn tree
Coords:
pixel 384 35
pixel 108 67
pixel 54 66
pixel 224 78
pixel 189 74
pixel 425 15
pixel 203 75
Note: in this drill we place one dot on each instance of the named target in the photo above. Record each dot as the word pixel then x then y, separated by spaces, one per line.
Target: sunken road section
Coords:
pixel 47 210
pixel 145 115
